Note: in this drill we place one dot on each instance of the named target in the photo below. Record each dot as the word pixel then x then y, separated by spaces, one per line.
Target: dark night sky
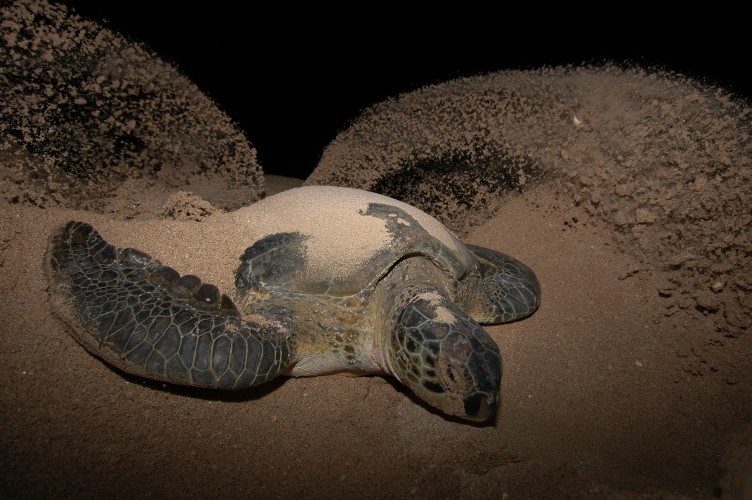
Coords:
pixel 292 87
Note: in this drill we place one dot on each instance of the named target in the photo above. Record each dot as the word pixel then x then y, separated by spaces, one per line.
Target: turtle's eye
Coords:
pixel 450 373
pixel 457 376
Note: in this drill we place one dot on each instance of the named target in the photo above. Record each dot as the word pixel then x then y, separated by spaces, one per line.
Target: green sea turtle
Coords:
pixel 339 280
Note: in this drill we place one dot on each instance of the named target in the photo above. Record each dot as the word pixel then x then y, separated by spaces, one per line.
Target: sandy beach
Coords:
pixel 627 192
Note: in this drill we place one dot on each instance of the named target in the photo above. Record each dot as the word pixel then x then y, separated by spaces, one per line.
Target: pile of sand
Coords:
pixel 665 161
pixel 84 112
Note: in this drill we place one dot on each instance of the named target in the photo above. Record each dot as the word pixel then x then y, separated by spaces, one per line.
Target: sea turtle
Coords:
pixel 339 280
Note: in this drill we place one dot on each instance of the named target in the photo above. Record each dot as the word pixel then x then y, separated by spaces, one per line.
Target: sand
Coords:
pixel 632 380
pixel 603 393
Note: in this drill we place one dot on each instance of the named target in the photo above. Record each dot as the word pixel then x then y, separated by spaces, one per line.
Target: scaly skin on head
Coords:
pixel 434 347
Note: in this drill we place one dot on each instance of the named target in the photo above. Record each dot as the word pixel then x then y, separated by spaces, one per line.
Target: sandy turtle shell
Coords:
pixel 339 280
pixel 363 233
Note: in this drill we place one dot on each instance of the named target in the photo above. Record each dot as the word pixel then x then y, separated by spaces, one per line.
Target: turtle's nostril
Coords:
pixel 480 406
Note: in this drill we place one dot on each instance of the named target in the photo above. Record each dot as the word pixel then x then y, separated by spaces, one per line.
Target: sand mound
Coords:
pixel 666 161
pixel 84 112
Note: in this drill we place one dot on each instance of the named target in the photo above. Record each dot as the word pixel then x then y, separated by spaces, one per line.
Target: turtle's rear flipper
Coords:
pixel 145 319
pixel 508 291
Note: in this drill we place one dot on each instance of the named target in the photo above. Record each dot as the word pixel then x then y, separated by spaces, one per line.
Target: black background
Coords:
pixel 295 75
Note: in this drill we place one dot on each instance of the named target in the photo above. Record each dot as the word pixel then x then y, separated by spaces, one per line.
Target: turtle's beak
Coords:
pixel 481 406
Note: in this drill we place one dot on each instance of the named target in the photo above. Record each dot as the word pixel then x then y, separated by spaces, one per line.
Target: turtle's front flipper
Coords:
pixel 145 319
pixel 508 290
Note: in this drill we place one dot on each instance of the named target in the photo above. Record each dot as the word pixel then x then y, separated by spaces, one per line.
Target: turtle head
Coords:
pixel 446 358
